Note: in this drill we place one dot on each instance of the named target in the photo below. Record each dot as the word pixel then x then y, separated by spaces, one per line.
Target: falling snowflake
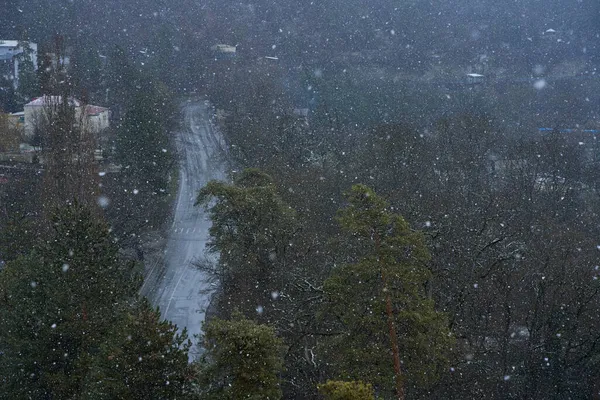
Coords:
pixel 540 84
pixel 103 201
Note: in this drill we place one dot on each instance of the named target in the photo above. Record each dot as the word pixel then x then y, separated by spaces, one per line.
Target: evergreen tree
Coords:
pixel 26 331
pixel 45 72
pixel 251 230
pixel 143 140
pixel 388 329
pixel 7 95
pixel 57 305
pixel 340 390
pixel 28 86
pixel 143 358
pixel 68 152
pixel 242 361
pixel 122 79
pixel 86 67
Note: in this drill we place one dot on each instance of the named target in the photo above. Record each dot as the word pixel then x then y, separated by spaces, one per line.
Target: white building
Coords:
pixel 224 51
pixel 475 78
pixel 224 48
pixel 10 60
pixel 95 118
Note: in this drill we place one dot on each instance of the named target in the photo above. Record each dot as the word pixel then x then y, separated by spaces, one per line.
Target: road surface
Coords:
pixel 173 283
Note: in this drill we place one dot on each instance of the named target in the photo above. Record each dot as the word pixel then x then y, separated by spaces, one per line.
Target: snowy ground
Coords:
pixel 173 283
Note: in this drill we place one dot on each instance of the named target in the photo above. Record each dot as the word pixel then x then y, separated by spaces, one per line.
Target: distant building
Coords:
pixel 301 112
pixel 96 118
pixel 475 78
pixel 224 51
pixel 11 54
pixel 16 120
pixel 224 48
pixel 555 36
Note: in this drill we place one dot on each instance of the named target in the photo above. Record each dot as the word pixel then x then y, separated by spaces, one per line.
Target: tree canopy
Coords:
pixel 242 361
pixel 377 301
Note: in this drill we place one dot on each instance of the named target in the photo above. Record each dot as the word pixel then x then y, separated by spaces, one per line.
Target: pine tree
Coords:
pixel 143 358
pixel 242 361
pixel 340 390
pixel 26 330
pixel 143 141
pixel 68 152
pixel 57 305
pixel 28 87
pixel 252 228
pixel 388 328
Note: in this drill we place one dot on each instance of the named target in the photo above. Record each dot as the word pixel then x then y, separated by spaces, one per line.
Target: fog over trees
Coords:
pixel 360 199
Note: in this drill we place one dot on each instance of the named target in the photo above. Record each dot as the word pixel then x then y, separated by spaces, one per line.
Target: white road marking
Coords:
pixel 173 293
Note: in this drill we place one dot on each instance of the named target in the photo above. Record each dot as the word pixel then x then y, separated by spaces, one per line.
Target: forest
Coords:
pixel 411 235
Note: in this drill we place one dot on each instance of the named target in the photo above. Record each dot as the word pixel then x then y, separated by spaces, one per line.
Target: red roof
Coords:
pixel 94 110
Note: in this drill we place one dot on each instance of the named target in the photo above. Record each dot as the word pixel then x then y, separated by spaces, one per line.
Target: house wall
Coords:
pixel 98 122
pixel 34 115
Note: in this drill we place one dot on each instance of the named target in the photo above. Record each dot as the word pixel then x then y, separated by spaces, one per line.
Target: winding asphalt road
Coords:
pixel 173 282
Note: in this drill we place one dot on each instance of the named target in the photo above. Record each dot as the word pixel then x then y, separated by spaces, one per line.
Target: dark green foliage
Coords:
pixel 28 82
pixel 251 229
pixel 143 358
pixel 26 331
pixel 122 78
pixel 340 390
pixel 68 153
pixel 145 110
pixel 8 100
pixel 18 232
pixel 72 327
pixel 58 303
pixel 144 146
pixel 242 361
pixel 384 258
pixel 86 72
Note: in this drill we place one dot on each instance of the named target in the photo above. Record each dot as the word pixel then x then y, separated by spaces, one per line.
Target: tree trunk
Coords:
pixel 392 328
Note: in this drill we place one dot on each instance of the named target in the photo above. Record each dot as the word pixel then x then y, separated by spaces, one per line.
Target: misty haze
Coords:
pixel 299 199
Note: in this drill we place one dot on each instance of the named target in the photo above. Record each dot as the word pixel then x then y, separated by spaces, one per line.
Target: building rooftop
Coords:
pixel 47 100
pixel 224 48
pixel 9 43
pixel 95 110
